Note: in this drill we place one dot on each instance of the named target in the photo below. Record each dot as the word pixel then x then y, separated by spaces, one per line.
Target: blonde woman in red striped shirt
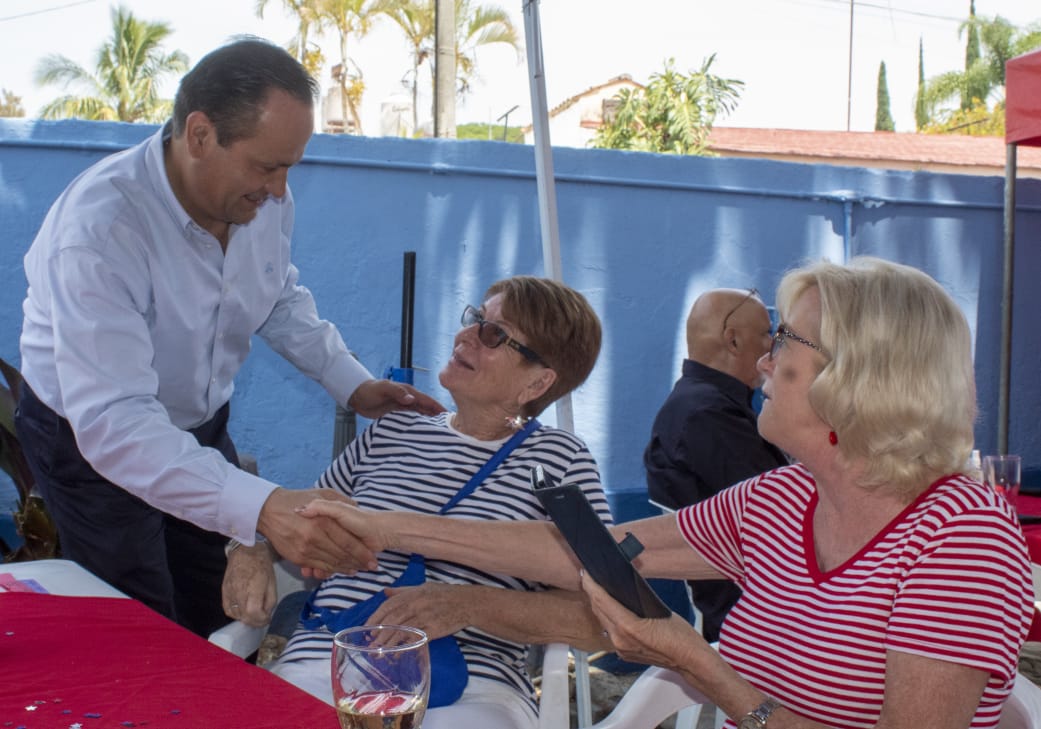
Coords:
pixel 882 588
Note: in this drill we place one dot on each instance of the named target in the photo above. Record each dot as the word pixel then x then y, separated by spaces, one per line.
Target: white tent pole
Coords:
pixel 544 170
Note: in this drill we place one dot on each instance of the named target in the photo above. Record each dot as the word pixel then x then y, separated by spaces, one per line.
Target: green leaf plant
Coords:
pixel 31 520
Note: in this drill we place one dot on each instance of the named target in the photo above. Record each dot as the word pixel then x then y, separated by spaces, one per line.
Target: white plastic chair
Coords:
pixel 1023 708
pixel 660 693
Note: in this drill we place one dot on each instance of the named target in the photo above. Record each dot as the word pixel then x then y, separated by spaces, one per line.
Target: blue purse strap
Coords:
pixel 491 464
pixel 313 617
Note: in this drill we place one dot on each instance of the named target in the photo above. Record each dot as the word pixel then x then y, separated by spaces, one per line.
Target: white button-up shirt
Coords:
pixel 136 324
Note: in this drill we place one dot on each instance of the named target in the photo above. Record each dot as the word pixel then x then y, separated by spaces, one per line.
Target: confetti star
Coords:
pixel 77 725
pixel 92 715
pixel 31 708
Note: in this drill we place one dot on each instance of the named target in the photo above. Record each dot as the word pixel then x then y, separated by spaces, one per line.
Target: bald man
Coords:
pixel 704 437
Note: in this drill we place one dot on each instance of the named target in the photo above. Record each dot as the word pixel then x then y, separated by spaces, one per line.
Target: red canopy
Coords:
pixel 1023 99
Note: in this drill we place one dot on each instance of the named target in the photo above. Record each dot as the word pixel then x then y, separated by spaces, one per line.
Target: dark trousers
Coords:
pixel 172 566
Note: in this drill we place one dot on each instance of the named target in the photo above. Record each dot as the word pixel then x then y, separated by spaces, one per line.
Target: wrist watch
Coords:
pixel 234 544
pixel 756 719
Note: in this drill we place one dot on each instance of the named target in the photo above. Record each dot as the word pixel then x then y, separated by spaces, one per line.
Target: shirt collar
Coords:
pixel 161 182
pixel 727 384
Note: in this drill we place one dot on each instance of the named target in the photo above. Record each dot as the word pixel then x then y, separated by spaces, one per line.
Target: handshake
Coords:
pixel 320 530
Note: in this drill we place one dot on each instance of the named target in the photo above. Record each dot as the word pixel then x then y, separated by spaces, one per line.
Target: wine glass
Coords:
pixel 1001 473
pixel 381 677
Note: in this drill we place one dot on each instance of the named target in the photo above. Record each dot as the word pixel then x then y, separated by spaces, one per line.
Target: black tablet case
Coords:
pixel 607 561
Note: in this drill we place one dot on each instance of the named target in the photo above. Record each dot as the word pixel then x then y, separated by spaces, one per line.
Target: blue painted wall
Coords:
pixel 641 235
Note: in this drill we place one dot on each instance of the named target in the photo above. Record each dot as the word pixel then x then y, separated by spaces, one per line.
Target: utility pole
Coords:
pixel 444 68
pixel 849 67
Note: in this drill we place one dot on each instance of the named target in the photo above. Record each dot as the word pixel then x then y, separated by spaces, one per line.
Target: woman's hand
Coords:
pixel 249 591
pixel 438 610
pixel 656 641
pixel 362 525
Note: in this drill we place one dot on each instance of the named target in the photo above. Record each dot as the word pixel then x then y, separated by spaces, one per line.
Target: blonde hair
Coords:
pixel 558 323
pixel 899 389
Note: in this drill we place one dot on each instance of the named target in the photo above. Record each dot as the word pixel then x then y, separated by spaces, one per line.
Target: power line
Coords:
pixel 876 6
pixel 46 10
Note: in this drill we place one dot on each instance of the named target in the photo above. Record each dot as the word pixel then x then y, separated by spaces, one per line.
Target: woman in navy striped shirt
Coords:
pixel 531 341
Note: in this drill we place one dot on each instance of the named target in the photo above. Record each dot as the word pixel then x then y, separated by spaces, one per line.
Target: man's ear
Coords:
pixel 199 133
pixel 732 340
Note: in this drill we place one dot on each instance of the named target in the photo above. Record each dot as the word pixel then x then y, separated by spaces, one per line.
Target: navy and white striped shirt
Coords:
pixel 410 462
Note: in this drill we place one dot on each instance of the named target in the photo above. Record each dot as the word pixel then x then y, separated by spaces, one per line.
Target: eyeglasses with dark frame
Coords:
pixel 783 333
pixel 753 292
pixel 492 335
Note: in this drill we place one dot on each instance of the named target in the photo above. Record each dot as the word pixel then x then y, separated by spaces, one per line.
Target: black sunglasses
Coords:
pixel 492 335
pixel 783 333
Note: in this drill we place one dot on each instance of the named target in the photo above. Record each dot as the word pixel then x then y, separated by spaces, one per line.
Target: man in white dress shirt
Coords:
pixel 147 279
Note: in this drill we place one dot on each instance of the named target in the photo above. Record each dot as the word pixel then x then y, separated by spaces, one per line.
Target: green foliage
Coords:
pixel 976 121
pixel 489 132
pixel 883 117
pixel 31 519
pixel 300 45
pixel 673 114
pixel 125 83
pixel 10 105
pixel 978 89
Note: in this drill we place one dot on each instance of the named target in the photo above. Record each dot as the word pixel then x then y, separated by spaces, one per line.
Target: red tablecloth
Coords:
pixel 1031 505
pixel 103 663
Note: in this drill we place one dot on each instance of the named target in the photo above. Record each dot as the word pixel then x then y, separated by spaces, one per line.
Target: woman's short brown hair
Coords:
pixel 558 323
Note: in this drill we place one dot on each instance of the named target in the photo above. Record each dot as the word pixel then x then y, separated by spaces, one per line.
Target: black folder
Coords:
pixel 607 561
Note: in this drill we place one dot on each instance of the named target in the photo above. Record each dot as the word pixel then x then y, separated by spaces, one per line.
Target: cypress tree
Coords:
pixel 972 54
pixel 921 114
pixel 883 119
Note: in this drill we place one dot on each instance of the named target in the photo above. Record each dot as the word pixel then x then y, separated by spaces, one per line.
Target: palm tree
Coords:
pixel 125 84
pixel 476 26
pixel 955 95
pixel 300 46
pixel 350 18
pixel 416 20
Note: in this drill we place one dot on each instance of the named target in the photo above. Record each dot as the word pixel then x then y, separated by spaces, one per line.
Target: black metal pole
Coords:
pixel 408 304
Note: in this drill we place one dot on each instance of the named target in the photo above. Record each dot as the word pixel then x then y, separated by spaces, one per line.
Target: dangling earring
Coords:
pixel 832 438
pixel 516 422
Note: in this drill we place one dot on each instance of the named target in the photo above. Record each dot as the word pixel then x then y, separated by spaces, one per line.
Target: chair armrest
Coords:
pixel 656 695
pixel 238 638
pixel 555 699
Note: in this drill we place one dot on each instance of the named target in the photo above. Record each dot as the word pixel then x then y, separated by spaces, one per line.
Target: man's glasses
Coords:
pixel 492 335
pixel 783 333
pixel 751 293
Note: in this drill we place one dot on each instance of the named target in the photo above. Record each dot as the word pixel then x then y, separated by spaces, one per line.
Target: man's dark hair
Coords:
pixel 231 84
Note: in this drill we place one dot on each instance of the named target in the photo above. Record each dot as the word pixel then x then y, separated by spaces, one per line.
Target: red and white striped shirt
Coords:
pixel 948 578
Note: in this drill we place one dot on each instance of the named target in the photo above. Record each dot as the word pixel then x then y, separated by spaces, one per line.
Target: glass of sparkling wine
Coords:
pixel 1002 473
pixel 381 677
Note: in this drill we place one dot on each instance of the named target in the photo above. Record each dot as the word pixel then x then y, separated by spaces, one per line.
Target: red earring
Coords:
pixel 832 438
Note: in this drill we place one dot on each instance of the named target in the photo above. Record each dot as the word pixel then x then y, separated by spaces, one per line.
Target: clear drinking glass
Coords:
pixel 1002 473
pixel 381 677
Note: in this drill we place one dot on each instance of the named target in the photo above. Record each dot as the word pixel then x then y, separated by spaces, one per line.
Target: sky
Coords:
pixel 792 55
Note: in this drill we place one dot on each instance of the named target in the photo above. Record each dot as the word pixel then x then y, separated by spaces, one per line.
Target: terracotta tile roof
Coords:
pixel 894 150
